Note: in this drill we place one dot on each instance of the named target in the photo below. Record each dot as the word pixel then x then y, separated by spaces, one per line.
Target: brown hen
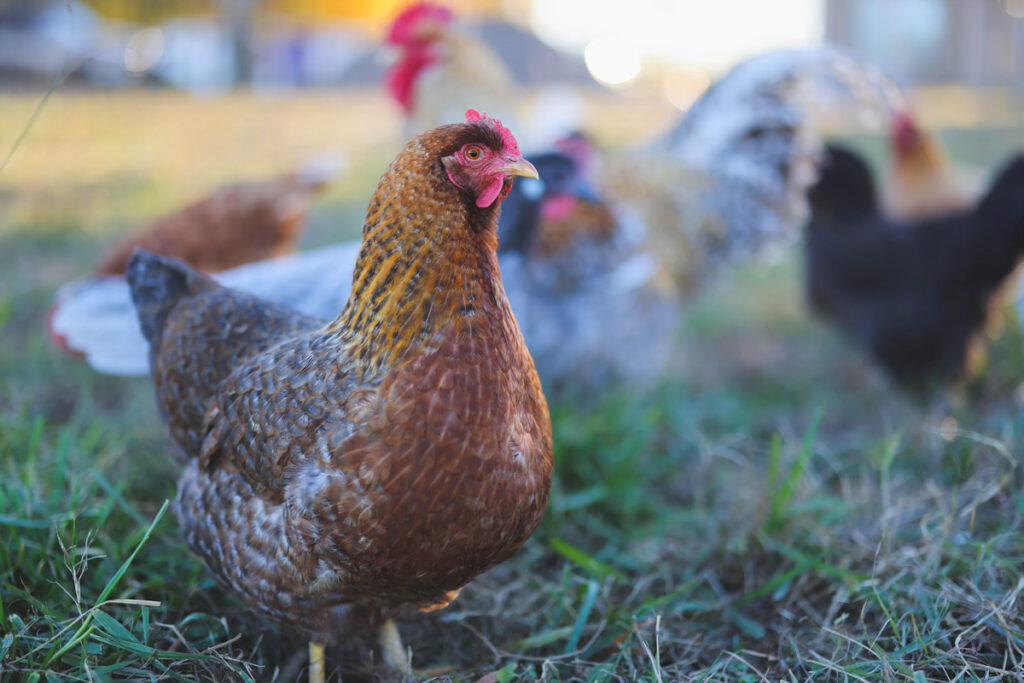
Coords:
pixel 379 460
pixel 237 224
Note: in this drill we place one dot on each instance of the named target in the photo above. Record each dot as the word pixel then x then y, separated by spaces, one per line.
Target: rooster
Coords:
pixel 337 471
pixel 916 295
pixel 440 70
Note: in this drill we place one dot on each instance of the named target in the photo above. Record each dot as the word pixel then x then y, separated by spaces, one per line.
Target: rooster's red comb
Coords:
pixel 404 26
pixel 509 140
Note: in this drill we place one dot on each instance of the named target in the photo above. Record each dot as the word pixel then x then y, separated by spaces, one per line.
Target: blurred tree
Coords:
pixel 151 11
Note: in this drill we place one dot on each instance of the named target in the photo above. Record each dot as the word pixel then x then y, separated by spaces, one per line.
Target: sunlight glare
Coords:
pixel 612 60
pixel 711 35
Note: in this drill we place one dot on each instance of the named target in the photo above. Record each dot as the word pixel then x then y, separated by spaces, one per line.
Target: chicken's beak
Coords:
pixel 519 166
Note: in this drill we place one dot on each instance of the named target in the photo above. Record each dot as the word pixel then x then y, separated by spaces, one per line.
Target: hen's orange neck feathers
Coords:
pixel 428 260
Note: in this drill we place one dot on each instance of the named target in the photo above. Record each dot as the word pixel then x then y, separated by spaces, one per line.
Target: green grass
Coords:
pixel 773 511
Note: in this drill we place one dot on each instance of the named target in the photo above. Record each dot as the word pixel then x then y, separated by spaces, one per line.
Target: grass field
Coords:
pixel 774 512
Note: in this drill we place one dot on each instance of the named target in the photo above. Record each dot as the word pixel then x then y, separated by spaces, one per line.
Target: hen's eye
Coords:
pixel 473 153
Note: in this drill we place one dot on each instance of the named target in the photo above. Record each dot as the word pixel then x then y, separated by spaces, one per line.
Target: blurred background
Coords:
pixel 159 101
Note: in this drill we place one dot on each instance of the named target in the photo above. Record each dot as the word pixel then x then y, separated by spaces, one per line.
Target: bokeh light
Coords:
pixel 613 60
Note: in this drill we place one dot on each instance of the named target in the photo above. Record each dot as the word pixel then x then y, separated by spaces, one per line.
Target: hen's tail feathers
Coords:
pixel 761 124
pixel 157 284
pixel 1005 196
pixel 94 317
pixel 770 104
pixel 999 224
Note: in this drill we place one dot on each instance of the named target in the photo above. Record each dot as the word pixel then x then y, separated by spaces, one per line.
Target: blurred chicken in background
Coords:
pixel 915 295
pixel 594 275
pixel 923 183
pixel 441 71
pixel 236 224
pixel 723 185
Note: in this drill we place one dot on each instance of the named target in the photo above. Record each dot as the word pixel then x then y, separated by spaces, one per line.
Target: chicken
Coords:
pixel 922 183
pixel 441 70
pixel 722 187
pixel 337 471
pixel 238 223
pixel 914 295
pixel 728 181
pixel 566 197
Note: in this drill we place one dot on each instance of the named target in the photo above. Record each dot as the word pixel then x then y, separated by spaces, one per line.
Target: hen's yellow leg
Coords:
pixel 316 662
pixel 392 651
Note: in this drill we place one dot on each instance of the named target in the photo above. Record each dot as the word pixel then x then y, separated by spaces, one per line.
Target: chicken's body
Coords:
pixel 915 296
pixel 380 460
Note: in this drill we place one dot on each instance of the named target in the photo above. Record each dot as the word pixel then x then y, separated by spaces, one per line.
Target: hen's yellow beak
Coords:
pixel 519 166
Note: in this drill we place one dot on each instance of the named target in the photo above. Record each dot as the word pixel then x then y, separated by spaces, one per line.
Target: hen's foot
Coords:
pixel 393 653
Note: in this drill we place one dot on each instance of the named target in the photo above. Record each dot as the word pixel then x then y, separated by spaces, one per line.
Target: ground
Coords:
pixel 772 511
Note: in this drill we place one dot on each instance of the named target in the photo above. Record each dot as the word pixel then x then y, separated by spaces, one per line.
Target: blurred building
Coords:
pixel 977 42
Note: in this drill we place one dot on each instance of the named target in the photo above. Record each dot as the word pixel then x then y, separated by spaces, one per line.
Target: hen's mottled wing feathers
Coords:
pixel 203 342
pixel 278 409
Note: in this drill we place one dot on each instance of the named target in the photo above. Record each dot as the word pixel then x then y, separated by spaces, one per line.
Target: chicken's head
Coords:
pixel 485 160
pixel 906 136
pixel 415 32
pixel 420 23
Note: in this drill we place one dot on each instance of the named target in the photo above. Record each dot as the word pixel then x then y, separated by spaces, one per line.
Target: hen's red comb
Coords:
pixel 509 140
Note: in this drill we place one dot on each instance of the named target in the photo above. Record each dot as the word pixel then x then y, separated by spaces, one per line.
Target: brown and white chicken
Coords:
pixel 337 471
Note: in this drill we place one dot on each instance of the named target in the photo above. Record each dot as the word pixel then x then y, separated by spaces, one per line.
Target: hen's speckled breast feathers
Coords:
pixel 382 459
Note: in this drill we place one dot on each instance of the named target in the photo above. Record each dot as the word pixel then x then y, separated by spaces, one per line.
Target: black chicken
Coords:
pixel 915 295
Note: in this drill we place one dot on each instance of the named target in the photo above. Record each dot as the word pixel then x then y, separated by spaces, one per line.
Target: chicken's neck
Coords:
pixel 426 268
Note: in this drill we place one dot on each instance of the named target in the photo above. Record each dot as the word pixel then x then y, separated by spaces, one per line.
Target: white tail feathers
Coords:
pixel 95 316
